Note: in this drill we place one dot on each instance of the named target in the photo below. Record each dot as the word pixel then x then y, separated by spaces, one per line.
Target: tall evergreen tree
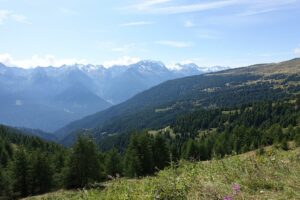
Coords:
pixel 4 157
pixel 139 156
pixel 190 150
pixel 145 154
pixel 161 152
pixel 21 174
pixel 5 184
pixel 83 166
pixel 113 163
pixel 42 173
pixel 132 163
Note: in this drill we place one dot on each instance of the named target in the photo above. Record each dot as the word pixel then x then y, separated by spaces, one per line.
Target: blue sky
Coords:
pixel 207 32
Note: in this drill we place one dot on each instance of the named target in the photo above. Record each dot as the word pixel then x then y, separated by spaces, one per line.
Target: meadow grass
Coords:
pixel 273 175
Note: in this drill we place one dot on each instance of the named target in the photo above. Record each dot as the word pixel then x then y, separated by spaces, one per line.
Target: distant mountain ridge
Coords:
pixel 160 105
pixel 48 98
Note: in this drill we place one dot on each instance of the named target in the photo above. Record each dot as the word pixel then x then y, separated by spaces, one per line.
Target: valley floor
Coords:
pixel 273 175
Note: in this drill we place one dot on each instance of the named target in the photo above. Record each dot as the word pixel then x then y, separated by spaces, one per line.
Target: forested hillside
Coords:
pixel 198 136
pixel 199 118
pixel 28 165
pixel 159 106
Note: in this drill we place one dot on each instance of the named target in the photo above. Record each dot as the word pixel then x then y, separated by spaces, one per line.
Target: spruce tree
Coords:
pixel 132 163
pixel 113 163
pixel 4 157
pixel 190 150
pixel 21 173
pixel 161 152
pixel 139 156
pixel 42 173
pixel 83 166
pixel 145 154
pixel 5 185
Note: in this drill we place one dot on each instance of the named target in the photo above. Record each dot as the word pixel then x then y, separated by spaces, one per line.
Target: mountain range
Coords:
pixel 159 106
pixel 48 98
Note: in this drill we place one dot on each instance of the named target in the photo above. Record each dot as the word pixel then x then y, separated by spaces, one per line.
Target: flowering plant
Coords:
pixel 236 188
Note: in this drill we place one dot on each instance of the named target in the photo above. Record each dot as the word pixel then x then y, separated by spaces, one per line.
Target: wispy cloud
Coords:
pixel 257 12
pixel 159 7
pixel 174 7
pixel 147 4
pixel 6 15
pixel 176 44
pixel 257 7
pixel 125 60
pixel 138 23
pixel 42 61
pixel 195 7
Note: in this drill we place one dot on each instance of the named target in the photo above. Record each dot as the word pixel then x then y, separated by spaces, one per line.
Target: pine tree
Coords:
pixel 42 173
pixel 83 166
pixel 5 185
pixel 132 164
pixel 139 156
pixel 161 152
pixel 190 150
pixel 59 164
pixel 4 157
pixel 113 163
pixel 21 174
pixel 145 154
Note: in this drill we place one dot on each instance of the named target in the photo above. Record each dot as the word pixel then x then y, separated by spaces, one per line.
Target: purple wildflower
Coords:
pixel 236 188
pixel 227 198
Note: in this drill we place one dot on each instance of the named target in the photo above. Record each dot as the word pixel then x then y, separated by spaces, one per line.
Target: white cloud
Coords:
pixel 42 61
pixel 174 7
pixel 196 7
pixel 189 24
pixel 176 65
pixel 6 15
pixel 125 60
pixel 147 4
pixel 157 6
pixel 176 44
pixel 257 12
pixel 297 51
pixel 138 23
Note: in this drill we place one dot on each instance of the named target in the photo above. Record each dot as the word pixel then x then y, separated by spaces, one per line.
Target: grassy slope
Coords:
pixel 274 175
pixel 158 106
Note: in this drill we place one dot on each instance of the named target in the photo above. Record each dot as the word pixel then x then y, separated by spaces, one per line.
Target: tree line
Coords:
pixel 30 166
